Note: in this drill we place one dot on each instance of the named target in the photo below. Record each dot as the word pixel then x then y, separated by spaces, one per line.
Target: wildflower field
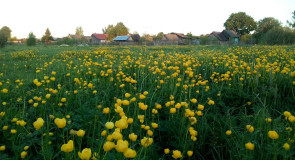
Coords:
pixel 165 102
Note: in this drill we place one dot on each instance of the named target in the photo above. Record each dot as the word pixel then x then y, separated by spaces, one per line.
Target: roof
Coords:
pixel 100 36
pixel 121 38
pixel 224 35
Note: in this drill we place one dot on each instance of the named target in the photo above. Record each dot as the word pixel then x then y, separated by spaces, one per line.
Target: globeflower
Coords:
pixel 166 151
pixel 286 146
pixel 146 141
pixel 132 137
pixel 176 154
pixel 228 132
pixel 190 153
pixel 249 146
pixel 273 135
pixel 38 123
pixel 4 90
pixel 109 125
pixel 68 147
pixel 130 153
pixel 86 154
pixel 2 148
pixel 108 146
pixel 23 154
pixel 80 133
pixel 122 124
pixel 61 123
pixel 121 146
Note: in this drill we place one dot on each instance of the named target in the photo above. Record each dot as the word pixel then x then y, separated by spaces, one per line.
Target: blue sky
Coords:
pixel 143 16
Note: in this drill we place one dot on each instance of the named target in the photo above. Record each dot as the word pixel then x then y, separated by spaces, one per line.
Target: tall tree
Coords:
pixel 7 31
pixel 79 31
pixel 3 39
pixel 159 36
pixel 31 41
pixel 47 36
pixel 292 22
pixel 241 23
pixel 113 31
pixel 263 26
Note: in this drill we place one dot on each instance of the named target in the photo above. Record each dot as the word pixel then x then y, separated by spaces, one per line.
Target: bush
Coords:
pixel 279 36
pixel 31 41
pixel 3 40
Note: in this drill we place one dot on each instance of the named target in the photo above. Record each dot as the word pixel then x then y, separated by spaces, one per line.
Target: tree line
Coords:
pixel 267 31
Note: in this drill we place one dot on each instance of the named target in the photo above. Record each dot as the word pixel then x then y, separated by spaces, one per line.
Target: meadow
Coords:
pixel 160 102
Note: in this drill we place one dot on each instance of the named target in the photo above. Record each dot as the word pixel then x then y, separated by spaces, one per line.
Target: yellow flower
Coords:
pixel 63 100
pixel 61 123
pixel 121 146
pixel 150 133
pixel 132 137
pixel 194 100
pixel 122 124
pixel 166 151
pixel 13 131
pixel 125 102
pixel 103 133
pixel 127 95
pixel 141 96
pixel 250 128
pixel 190 153
pixel 2 148
pixel 68 147
pixel 5 128
pixel 172 110
pixel 23 154
pixel 228 132
pixel 176 154
pixel 286 146
pixel 106 110
pixel 200 107
pixel 86 154
pixel 146 141
pixel 108 146
pixel 273 135
pixel 211 102
pixel 130 153
pixel 80 133
pixel 130 120
pixel 109 125
pixel 117 135
pixel 38 123
pixel 4 90
pixel 249 146
pixel 155 125
pixel 26 148
pixel 268 120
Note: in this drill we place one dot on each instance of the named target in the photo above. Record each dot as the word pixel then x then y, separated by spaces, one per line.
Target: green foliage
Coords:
pixel 113 31
pixel 7 31
pixel 31 41
pixel 158 37
pixel 241 23
pixel 247 39
pixel 292 22
pixel 47 36
pixel 79 31
pixel 3 39
pixel 278 36
pixel 264 26
pixel 204 40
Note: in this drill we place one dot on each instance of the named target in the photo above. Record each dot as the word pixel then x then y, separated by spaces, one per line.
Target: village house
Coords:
pixel 224 37
pixel 174 37
pixel 98 38
pixel 123 39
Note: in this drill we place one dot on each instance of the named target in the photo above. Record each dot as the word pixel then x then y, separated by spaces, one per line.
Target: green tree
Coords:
pixel 113 31
pixel 79 31
pixel 264 26
pixel 31 41
pixel 3 39
pixel 7 31
pixel 47 36
pixel 278 36
pixel 241 23
pixel 292 22
pixel 159 36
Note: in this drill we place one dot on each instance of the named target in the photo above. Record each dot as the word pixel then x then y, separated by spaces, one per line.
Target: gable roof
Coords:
pixel 99 36
pixel 224 35
pixel 121 38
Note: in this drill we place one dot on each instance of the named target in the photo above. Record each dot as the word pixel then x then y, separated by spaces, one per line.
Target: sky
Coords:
pixel 142 16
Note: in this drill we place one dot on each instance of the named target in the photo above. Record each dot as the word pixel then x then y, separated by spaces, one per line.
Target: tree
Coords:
pixel 241 23
pixel 135 37
pixel 47 36
pixel 7 31
pixel 292 22
pixel 79 31
pixel 3 39
pixel 113 31
pixel 31 41
pixel 146 37
pixel 278 36
pixel 159 36
pixel 264 26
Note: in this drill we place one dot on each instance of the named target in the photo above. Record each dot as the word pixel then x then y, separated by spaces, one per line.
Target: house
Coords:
pixel 174 37
pixel 98 38
pixel 123 39
pixel 224 37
